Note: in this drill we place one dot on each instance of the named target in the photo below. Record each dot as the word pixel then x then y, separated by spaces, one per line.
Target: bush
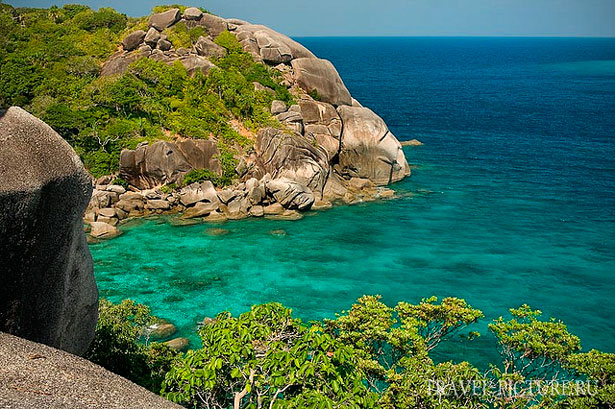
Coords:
pixel 120 182
pixel 371 356
pixel 182 36
pixel 315 95
pixel 169 188
pixel 267 358
pixel 201 175
pixel 103 18
pixel 120 344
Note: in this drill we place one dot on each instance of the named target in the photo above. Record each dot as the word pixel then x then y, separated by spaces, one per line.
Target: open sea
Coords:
pixel 511 200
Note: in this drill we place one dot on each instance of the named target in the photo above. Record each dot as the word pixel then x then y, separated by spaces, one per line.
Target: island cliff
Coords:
pixel 326 148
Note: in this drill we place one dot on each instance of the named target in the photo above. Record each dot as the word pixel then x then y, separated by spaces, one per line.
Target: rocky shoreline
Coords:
pixel 328 149
pixel 112 205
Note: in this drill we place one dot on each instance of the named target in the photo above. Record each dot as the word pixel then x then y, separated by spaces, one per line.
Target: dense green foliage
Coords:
pixel 200 175
pixel 50 61
pixel 263 357
pixel 375 356
pixel 121 344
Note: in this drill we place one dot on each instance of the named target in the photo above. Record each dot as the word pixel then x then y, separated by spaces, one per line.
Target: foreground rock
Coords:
pixel 48 293
pixel 37 376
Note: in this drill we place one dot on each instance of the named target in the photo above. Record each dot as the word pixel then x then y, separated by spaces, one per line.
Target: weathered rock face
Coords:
pixel 37 376
pixel 48 293
pixel 192 13
pixel 369 149
pixel 270 46
pixel 167 162
pixel 314 74
pixel 194 63
pixel 207 48
pixel 165 19
pixel 132 40
pixel 214 25
pixel 323 123
pixel 290 194
pixel 294 157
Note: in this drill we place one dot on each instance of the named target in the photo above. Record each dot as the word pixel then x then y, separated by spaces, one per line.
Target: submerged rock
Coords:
pixel 412 142
pixel 162 330
pixel 217 232
pixel 178 344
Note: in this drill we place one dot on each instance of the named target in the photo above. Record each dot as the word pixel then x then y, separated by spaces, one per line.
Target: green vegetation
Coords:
pixel 50 61
pixel 160 9
pixel 170 188
pixel 120 182
pixel 121 344
pixel 182 36
pixel 371 356
pixel 315 95
pixel 201 175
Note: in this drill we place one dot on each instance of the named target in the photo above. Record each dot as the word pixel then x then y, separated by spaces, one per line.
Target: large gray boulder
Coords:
pixel 268 45
pixel 48 293
pixel 322 122
pixel 192 13
pixel 118 63
pixel 369 150
pixel 294 157
pixel 37 376
pixel 132 40
pixel 152 37
pixel 290 194
pixel 214 25
pixel 315 74
pixel 167 162
pixel 163 20
pixel 199 192
pixel 195 63
pixel 207 48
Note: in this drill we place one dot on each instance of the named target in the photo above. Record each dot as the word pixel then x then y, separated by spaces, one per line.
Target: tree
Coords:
pixel 265 358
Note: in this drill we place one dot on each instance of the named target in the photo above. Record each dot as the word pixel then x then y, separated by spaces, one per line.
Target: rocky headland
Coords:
pixel 328 148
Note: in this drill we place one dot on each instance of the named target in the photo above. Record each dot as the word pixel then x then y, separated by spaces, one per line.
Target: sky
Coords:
pixel 568 18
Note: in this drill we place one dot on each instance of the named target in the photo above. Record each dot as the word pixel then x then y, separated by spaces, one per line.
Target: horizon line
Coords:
pixel 452 36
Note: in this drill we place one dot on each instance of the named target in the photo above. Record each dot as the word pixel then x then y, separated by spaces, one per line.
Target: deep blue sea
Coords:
pixel 511 201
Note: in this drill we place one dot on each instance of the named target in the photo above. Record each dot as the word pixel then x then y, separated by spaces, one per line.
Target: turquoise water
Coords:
pixel 512 199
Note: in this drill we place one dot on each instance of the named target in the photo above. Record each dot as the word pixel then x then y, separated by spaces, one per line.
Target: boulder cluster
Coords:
pixel 279 198
pixel 155 44
pixel 330 148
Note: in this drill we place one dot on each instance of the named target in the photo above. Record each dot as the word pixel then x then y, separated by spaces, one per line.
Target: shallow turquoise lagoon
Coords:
pixel 512 200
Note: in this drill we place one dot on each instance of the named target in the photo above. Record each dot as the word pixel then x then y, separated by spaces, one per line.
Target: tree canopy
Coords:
pixel 371 356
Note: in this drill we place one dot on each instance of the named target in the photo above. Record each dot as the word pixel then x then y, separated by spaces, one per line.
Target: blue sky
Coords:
pixel 399 17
